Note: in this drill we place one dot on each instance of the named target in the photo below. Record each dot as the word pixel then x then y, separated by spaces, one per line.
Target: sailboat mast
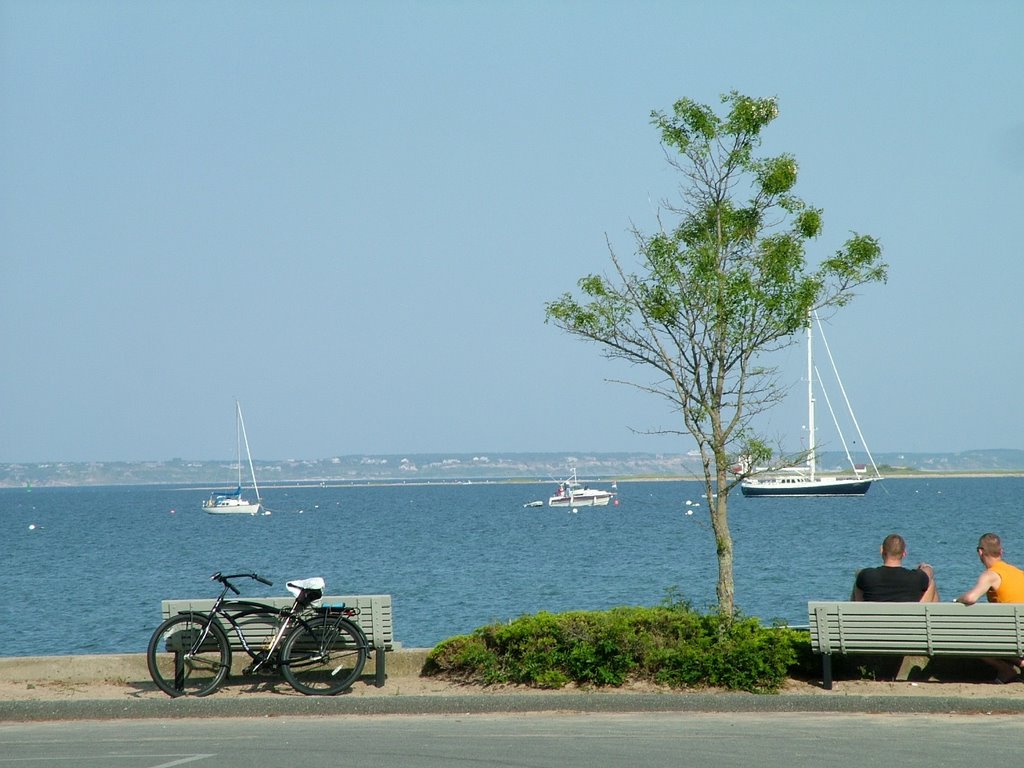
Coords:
pixel 252 470
pixel 238 443
pixel 811 448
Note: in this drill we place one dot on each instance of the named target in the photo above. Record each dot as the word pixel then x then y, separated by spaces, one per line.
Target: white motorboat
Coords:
pixel 572 493
pixel 232 502
pixel 806 480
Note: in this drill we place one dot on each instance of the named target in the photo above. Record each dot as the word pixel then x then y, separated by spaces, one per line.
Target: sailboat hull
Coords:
pixel 824 486
pixel 221 508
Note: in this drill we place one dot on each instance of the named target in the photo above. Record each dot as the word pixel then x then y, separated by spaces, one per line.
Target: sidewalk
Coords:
pixel 118 687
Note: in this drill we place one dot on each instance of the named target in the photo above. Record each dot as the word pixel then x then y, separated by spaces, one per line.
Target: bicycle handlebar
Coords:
pixel 218 576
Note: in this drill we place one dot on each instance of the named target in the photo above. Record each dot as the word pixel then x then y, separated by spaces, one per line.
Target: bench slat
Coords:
pixel 370 606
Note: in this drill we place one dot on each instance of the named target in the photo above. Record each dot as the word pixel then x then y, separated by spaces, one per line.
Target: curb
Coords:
pixel 481 704
pixel 131 667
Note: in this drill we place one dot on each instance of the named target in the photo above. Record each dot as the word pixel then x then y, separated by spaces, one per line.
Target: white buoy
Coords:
pixel 689 511
pixel 32 526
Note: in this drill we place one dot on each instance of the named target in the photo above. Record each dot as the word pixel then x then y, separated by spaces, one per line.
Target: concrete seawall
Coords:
pixel 131 667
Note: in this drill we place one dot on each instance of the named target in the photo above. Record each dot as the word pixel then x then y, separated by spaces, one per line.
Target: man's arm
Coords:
pixel 857 594
pixel 931 595
pixel 988 580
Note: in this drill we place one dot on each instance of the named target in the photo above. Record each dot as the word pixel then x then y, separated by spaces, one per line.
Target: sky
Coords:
pixel 350 216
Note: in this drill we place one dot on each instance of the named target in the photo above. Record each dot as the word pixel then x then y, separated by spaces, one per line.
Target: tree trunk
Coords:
pixel 726 589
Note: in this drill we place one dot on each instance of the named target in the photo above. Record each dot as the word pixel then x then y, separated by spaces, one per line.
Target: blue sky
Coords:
pixel 350 216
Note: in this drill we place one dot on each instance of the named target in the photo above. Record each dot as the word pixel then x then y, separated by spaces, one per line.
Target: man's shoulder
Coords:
pixel 872 572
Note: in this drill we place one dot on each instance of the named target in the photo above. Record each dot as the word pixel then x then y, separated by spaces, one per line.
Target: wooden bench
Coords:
pixel 915 629
pixel 374 618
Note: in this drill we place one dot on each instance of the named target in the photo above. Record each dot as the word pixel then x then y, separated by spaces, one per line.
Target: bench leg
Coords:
pixel 826 671
pixel 381 674
pixel 179 671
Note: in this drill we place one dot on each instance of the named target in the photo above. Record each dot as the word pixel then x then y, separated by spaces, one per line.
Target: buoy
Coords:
pixel 32 526
pixel 689 511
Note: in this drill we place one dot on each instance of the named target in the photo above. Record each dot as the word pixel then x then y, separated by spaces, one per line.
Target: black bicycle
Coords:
pixel 318 649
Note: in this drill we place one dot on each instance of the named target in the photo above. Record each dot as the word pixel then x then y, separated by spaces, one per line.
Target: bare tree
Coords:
pixel 724 286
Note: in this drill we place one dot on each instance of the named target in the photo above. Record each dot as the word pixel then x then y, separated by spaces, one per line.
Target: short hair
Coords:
pixel 894 546
pixel 991 545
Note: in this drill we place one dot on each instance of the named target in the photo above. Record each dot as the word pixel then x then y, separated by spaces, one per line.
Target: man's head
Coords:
pixel 990 546
pixel 894 548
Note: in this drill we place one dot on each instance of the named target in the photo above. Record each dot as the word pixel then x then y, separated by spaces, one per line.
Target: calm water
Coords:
pixel 90 574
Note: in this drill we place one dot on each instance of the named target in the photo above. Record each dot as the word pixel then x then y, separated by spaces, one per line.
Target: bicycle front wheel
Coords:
pixel 323 657
pixel 188 655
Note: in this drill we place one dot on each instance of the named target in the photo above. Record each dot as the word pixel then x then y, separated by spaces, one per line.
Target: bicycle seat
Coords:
pixel 295 587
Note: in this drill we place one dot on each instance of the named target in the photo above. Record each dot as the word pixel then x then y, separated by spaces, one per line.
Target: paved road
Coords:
pixel 532 740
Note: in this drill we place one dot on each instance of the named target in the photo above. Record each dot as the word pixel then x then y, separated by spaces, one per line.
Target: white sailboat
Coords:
pixel 806 480
pixel 232 502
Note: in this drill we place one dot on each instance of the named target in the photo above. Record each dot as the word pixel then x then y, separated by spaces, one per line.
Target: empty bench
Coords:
pixel 914 629
pixel 373 617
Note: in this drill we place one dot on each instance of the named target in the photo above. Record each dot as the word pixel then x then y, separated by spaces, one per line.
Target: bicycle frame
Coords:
pixel 234 612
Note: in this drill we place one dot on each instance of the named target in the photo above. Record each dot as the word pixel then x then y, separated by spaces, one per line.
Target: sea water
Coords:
pixel 84 569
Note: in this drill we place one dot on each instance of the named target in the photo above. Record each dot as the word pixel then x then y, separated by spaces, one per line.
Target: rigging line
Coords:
pixel 842 389
pixel 835 420
pixel 252 470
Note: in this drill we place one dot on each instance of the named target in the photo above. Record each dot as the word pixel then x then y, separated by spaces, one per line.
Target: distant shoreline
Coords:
pixel 458 468
pixel 396 482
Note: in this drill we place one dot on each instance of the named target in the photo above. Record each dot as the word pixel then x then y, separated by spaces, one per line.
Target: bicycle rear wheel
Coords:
pixel 323 656
pixel 188 655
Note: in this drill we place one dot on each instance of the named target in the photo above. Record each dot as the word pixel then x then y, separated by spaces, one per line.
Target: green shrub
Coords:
pixel 669 644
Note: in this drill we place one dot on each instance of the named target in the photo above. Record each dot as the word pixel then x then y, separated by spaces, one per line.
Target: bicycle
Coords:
pixel 317 648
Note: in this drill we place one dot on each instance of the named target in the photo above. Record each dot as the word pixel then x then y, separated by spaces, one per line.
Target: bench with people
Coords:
pixel 896 611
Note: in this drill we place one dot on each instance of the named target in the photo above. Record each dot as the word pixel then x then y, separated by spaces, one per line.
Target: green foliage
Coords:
pixel 669 644
pixel 718 288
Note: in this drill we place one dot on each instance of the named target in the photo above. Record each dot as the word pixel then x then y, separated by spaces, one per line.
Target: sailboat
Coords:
pixel 806 480
pixel 232 502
